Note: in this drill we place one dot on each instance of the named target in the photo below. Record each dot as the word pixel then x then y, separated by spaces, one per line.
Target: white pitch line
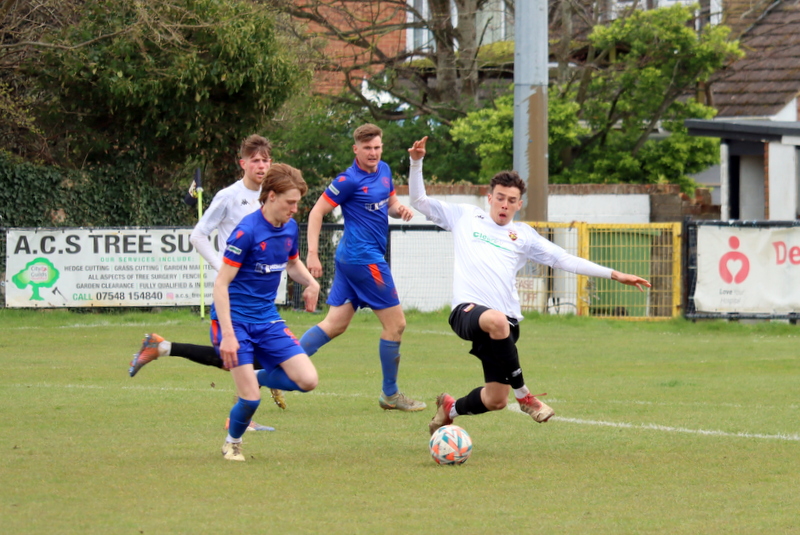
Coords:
pixel 92 325
pixel 656 427
pixel 166 389
pixel 514 407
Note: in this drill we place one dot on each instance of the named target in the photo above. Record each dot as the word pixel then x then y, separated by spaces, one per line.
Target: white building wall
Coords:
pixel 788 113
pixel 599 208
pixel 751 187
pixel 565 208
pixel 782 182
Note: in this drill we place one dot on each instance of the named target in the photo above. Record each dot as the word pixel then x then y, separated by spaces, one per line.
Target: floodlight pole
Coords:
pixel 530 104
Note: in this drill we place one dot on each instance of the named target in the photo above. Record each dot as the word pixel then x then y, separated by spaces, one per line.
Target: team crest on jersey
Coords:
pixel 234 249
pixel 244 202
pixel 385 181
pixel 288 244
pixel 512 235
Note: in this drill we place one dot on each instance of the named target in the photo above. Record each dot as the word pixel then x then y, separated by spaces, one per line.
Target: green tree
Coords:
pixel 491 131
pixel 316 136
pixel 622 122
pixel 171 81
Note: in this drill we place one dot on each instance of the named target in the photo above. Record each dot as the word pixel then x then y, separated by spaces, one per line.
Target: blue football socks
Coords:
pixel 313 339
pixel 390 362
pixel 241 414
pixel 277 378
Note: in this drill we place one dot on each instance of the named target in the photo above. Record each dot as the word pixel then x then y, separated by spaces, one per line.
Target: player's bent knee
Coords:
pixel 495 323
pixel 308 382
pixel 496 404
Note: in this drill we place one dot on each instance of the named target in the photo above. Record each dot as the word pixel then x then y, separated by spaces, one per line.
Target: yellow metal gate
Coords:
pixel 652 251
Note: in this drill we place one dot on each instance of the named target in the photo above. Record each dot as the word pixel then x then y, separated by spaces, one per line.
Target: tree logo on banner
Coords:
pixel 39 273
pixel 736 260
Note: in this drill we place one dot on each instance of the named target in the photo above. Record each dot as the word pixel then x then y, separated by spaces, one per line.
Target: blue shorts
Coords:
pixel 369 285
pixel 270 343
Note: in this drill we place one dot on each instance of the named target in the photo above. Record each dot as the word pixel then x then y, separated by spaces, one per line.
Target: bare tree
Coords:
pixel 357 40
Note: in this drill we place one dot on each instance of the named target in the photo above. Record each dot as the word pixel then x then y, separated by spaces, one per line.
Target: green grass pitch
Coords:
pixel 671 427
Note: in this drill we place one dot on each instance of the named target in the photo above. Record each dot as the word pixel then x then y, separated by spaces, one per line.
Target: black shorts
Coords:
pixel 465 322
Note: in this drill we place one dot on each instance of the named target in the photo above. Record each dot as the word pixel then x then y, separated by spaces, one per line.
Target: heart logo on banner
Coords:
pixel 735 265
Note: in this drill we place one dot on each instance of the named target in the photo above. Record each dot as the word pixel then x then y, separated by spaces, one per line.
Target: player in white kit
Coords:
pixel 490 248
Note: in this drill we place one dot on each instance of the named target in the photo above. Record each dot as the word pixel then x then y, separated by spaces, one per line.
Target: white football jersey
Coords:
pixel 227 208
pixel 487 255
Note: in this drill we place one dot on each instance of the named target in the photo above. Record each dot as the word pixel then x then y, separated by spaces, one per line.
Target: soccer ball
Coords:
pixel 450 444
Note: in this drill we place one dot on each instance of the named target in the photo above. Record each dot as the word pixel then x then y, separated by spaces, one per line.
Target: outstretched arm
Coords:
pixel 581 266
pixel 630 280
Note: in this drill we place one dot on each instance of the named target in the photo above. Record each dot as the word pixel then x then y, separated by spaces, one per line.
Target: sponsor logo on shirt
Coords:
pixel 333 189
pixel 234 249
pixel 375 206
pixel 269 268
pixel 494 242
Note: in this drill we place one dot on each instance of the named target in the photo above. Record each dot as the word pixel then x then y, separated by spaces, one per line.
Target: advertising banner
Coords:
pixel 105 267
pixel 748 270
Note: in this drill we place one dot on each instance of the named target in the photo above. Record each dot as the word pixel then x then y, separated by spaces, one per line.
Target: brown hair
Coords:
pixel 280 179
pixel 508 179
pixel 255 144
pixel 366 132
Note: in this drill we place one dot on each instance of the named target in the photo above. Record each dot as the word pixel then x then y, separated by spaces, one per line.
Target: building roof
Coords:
pixel 743 130
pixel 763 82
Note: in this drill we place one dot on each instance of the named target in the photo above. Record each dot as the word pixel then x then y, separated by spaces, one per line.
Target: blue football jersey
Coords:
pixel 261 252
pixel 364 198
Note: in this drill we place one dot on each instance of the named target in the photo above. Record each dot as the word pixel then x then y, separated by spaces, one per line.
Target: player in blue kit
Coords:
pixel 366 195
pixel 245 323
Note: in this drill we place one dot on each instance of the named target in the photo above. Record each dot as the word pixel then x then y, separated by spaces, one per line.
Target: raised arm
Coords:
pixel 416 185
